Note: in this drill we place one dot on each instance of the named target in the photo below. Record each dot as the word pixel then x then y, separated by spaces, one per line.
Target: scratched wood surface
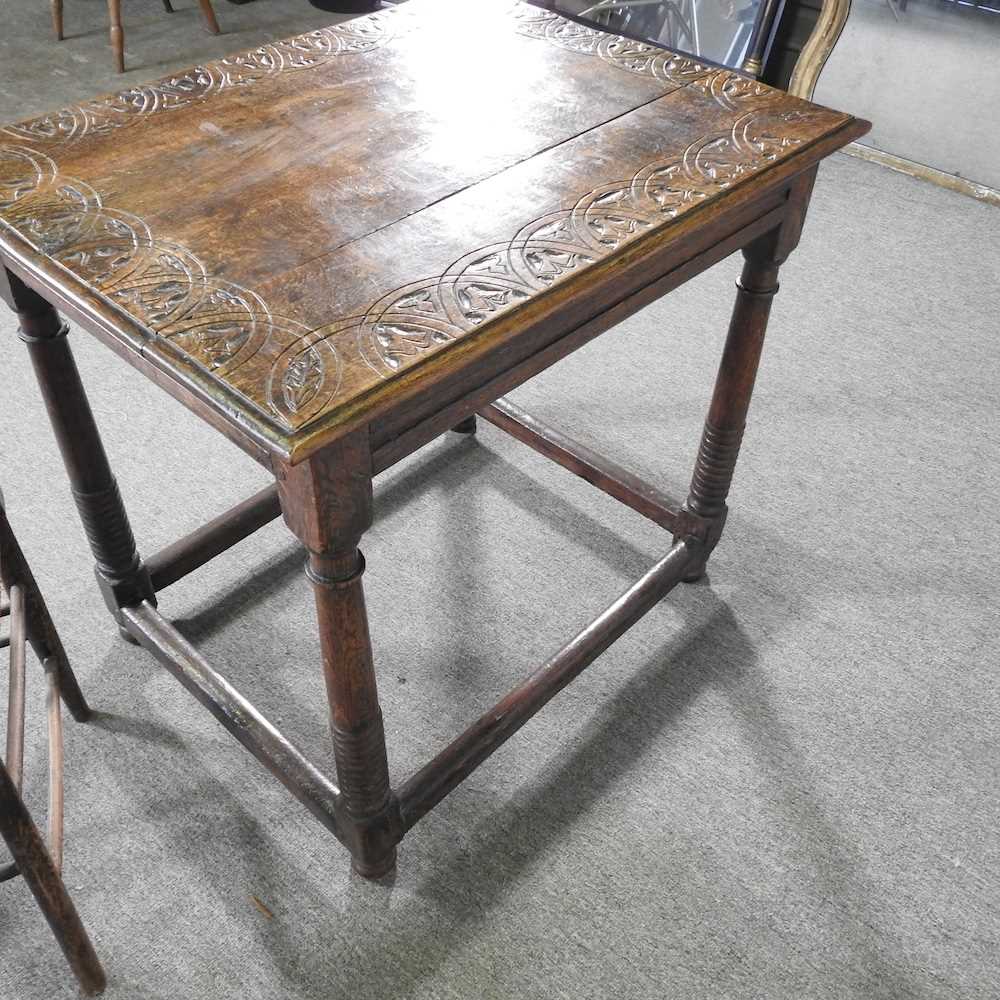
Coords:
pixel 296 230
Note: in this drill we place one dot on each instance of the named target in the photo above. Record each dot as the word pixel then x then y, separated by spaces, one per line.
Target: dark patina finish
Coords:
pixel 421 221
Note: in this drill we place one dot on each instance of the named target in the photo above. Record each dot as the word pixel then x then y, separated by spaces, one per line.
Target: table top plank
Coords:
pixel 296 227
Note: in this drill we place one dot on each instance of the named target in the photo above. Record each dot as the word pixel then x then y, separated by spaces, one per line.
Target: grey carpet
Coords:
pixel 38 74
pixel 782 784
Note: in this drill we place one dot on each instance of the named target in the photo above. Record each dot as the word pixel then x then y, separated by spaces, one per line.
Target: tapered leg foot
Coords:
pixel 466 426
pixel 117 34
pixel 376 869
pixel 57 18
pixel 209 14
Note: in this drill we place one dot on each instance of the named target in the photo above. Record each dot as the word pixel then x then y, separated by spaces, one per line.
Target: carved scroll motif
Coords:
pixel 623 53
pixel 218 325
pixel 360 35
pixel 221 326
pixel 302 52
pixel 282 365
pixel 415 320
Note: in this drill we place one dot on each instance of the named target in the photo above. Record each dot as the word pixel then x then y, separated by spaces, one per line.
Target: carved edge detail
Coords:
pixel 306 51
pixel 164 286
pixel 222 326
pixel 314 49
pixel 414 321
pixel 626 54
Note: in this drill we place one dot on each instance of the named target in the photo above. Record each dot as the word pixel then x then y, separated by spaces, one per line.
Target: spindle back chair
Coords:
pixel 22 605
pixel 118 33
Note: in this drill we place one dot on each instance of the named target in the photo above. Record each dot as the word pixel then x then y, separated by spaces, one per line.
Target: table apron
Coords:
pixel 66 293
pixel 391 442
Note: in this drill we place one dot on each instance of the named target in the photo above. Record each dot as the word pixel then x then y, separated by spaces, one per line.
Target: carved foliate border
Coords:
pixel 623 53
pixel 303 52
pixel 416 320
pixel 316 48
pixel 168 289
pixel 222 327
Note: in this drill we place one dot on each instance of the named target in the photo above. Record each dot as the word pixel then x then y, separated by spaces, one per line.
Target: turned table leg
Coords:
pixel 327 503
pixel 727 414
pixel 121 575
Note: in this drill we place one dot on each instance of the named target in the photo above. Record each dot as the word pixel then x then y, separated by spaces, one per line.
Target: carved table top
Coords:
pixel 296 232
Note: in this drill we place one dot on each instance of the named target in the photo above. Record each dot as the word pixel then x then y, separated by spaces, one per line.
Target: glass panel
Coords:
pixel 927 74
pixel 717 30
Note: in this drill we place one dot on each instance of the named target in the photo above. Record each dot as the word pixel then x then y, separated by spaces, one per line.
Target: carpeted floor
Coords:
pixel 37 73
pixel 783 783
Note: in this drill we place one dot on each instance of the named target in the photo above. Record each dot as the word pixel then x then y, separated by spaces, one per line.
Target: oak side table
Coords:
pixel 337 247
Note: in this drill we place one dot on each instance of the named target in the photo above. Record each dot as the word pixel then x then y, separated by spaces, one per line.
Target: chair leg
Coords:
pixel 57 18
pixel 168 6
pixel 53 709
pixel 209 14
pixel 14 755
pixel 35 864
pixel 68 686
pixel 117 35
pixel 41 630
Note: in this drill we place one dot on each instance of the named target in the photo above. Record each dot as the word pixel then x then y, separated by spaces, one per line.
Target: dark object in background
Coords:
pixel 344 6
pixel 783 43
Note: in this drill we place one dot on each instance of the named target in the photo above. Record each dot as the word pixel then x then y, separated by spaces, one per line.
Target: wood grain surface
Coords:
pixel 294 235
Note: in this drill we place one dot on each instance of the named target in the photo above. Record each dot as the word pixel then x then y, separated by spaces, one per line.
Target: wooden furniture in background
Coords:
pixel 395 254
pixel 22 603
pixel 118 34
pixel 807 33
pixel 786 44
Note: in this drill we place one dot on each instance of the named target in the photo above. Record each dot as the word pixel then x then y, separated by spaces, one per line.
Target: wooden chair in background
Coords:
pixel 21 602
pixel 118 35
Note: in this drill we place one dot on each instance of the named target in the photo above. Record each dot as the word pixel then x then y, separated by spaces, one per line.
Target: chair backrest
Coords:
pixel 804 37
